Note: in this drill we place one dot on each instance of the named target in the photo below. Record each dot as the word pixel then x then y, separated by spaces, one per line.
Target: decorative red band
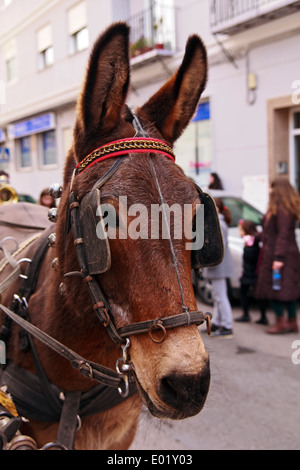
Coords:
pixel 123 147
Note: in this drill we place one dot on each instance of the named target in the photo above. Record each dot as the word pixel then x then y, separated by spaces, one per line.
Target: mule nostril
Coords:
pixel 173 387
pixel 185 392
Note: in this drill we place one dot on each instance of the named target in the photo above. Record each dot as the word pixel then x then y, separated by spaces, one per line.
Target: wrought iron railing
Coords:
pixel 225 15
pixel 154 28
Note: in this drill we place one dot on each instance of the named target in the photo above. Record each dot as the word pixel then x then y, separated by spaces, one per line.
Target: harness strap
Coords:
pixel 29 284
pixel 10 279
pixel 101 305
pixel 30 400
pixel 9 259
pixel 69 420
pixel 87 368
pixel 182 319
pixel 97 371
pixel 14 275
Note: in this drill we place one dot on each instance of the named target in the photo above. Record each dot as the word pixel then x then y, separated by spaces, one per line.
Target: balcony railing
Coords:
pixel 153 29
pixel 233 16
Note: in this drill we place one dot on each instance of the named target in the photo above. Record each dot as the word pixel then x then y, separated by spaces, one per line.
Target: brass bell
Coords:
pixel 53 214
pixel 55 190
pixel 51 239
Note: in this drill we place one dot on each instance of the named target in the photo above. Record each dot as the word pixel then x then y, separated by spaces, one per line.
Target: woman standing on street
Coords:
pixel 222 319
pixel 280 253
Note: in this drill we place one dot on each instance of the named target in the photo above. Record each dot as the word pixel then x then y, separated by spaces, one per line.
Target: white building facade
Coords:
pixel 247 126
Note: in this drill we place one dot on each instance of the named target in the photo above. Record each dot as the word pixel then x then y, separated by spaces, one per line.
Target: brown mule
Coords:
pixel 141 283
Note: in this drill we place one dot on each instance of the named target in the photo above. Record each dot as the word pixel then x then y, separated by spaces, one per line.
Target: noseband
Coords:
pixel 157 328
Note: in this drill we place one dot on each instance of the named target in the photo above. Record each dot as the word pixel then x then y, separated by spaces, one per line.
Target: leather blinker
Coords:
pixel 94 234
pixel 212 252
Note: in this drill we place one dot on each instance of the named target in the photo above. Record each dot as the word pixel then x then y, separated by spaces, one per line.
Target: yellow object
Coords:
pixel 8 194
pixel 252 82
pixel 8 404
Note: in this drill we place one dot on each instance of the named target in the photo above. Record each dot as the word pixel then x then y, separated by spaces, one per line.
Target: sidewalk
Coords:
pixel 253 402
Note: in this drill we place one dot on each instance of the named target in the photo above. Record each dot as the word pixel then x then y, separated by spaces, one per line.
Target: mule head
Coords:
pixel 149 277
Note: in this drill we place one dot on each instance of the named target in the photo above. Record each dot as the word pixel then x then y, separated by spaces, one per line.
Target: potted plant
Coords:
pixel 157 28
pixel 140 47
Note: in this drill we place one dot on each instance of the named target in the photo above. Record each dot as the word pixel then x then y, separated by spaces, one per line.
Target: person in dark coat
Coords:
pixel 251 239
pixel 280 251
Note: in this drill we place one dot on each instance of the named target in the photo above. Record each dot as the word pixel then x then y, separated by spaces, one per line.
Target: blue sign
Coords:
pixel 4 155
pixel 37 124
pixel 203 112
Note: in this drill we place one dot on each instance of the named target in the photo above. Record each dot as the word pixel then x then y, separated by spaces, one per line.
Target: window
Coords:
pixel 164 22
pixel 78 31
pixel 241 210
pixel 10 56
pixel 162 15
pixel 297 120
pixel 11 69
pixel 45 47
pixel 79 41
pixel 194 148
pixel 49 148
pixel 5 3
pixel 46 58
pixel 25 152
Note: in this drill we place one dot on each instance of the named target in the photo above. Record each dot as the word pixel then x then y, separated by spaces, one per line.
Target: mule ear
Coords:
pixel 107 81
pixel 172 107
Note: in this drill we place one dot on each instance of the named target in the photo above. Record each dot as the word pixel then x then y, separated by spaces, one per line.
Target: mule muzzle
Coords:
pixel 178 395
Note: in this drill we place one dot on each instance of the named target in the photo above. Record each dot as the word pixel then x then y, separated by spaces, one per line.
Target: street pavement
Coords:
pixel 253 402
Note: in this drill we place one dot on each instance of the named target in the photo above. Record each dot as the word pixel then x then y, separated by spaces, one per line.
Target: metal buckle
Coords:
pixel 208 323
pixel 82 364
pixel 22 301
pixel 54 446
pixel 123 368
pixel 157 324
pixel 27 260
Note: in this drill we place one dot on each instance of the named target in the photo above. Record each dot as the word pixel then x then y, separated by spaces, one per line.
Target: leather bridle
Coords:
pixel 156 328
pixel 141 143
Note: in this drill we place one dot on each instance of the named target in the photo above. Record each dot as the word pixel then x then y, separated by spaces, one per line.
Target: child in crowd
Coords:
pixel 46 199
pixel 248 232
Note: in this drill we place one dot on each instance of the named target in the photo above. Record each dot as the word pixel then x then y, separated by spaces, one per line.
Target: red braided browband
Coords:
pixel 124 146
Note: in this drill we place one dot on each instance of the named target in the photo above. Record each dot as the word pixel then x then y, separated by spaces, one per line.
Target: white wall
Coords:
pixel 240 132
